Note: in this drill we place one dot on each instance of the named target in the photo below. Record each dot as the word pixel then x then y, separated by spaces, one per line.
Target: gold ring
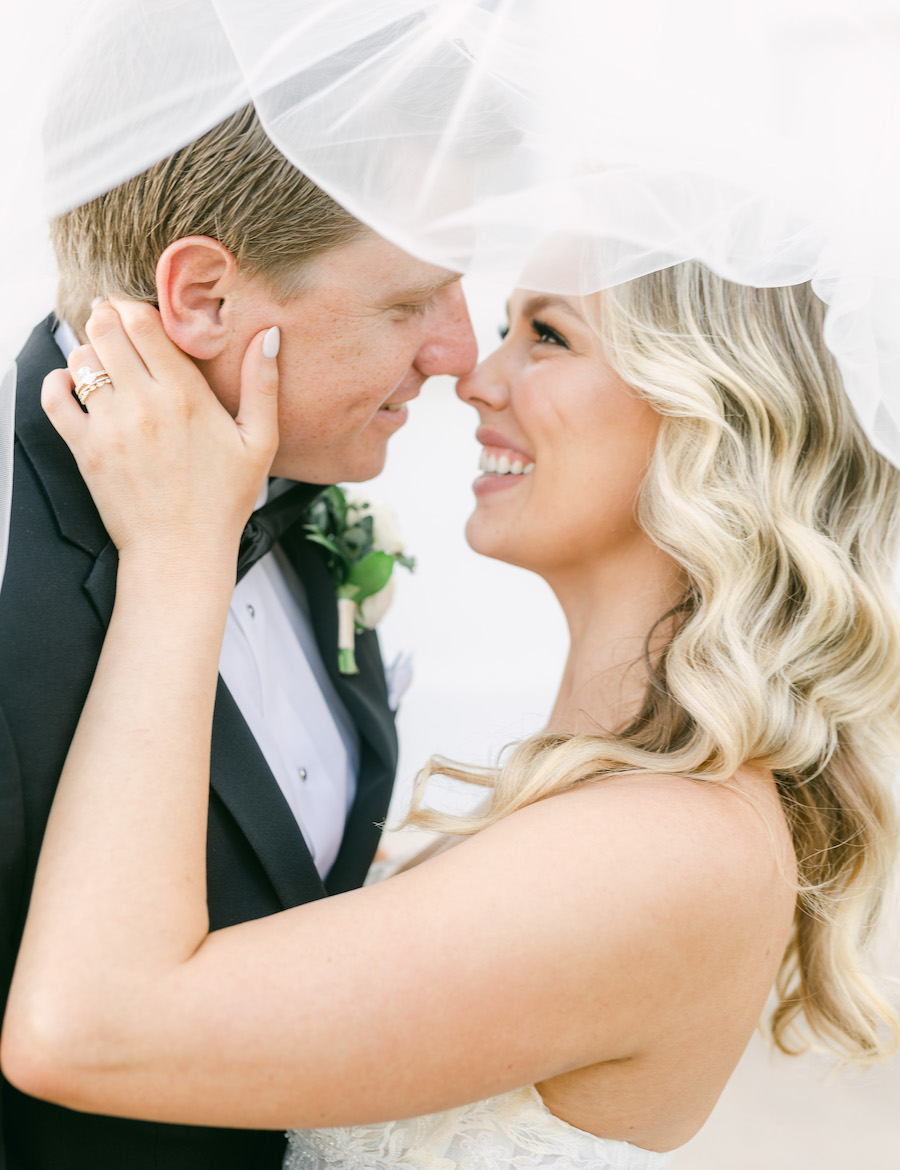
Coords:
pixel 89 381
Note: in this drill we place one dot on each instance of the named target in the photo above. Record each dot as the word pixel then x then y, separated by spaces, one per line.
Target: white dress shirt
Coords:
pixel 271 665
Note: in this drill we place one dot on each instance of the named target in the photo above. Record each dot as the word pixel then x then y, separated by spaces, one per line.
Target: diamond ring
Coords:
pixel 88 381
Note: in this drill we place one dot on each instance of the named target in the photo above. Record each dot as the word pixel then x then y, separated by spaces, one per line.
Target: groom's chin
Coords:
pixel 363 469
pixel 349 467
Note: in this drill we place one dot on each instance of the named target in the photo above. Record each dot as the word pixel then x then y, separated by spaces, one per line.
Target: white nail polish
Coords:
pixel 272 343
pixel 96 301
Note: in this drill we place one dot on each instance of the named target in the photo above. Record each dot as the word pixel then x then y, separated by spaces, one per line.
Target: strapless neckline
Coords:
pixel 552 1119
pixel 513 1131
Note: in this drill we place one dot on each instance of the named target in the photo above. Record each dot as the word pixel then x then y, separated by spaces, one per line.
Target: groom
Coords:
pixel 303 758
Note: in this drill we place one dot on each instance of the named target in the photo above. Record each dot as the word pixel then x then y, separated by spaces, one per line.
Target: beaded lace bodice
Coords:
pixel 515 1131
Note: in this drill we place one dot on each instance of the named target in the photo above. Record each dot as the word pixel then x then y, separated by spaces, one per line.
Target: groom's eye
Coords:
pixel 416 309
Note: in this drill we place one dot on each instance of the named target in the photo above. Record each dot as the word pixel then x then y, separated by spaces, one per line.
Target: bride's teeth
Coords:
pixel 506 463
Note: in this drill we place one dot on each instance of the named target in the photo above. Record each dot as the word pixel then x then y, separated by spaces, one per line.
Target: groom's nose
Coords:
pixel 449 347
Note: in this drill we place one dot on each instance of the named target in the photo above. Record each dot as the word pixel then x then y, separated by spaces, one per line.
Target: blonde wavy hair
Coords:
pixel 785 647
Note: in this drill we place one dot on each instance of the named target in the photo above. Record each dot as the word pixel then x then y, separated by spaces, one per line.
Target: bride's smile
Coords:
pixel 565 441
pixel 261 219
pixel 605 977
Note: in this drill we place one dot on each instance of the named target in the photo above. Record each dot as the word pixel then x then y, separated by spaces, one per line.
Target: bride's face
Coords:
pixel 566 443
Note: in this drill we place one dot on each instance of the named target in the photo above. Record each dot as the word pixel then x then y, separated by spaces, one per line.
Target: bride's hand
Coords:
pixel 171 472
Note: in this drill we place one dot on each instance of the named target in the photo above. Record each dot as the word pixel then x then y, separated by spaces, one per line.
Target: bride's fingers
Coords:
pixel 167 365
pixel 88 376
pixel 114 350
pixel 84 355
pixel 258 412
pixel 62 408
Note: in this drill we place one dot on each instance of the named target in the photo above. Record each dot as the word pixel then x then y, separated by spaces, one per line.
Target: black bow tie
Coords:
pixel 269 523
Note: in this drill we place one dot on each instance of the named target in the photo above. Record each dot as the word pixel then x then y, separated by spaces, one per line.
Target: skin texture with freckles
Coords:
pixel 372 325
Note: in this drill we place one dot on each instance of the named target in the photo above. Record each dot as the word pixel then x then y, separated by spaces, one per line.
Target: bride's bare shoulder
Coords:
pixel 730 839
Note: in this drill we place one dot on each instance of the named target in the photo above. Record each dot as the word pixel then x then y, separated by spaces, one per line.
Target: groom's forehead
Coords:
pixel 373 271
pixel 423 284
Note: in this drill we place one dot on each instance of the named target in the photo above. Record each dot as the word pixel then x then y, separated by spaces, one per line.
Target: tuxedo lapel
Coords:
pixel 259 807
pixel 364 694
pixel 74 510
pixel 365 697
pixel 100 585
pixel 239 773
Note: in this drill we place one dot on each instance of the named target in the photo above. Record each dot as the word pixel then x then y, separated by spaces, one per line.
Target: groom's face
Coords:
pixel 356 348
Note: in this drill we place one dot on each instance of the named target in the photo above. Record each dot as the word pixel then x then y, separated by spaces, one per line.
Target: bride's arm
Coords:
pixel 535 948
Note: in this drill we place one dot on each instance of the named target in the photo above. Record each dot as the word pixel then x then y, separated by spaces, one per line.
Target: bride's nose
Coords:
pixel 485 386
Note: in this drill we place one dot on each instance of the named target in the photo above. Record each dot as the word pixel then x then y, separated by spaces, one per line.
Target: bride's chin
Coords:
pixel 489 539
pixel 478 537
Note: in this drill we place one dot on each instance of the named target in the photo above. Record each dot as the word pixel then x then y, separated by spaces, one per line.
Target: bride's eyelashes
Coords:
pixel 544 332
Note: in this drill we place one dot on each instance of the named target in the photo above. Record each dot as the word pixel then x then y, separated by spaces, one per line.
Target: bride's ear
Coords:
pixel 194 277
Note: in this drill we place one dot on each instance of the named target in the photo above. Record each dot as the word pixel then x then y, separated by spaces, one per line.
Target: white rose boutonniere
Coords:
pixel 362 543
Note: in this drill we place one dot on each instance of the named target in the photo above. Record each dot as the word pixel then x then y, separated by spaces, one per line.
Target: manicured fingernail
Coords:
pixel 272 343
pixel 96 301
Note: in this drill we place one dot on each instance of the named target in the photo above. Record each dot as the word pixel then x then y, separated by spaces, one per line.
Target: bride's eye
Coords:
pixel 545 333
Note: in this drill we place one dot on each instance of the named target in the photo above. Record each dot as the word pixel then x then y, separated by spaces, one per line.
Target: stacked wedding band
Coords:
pixel 88 381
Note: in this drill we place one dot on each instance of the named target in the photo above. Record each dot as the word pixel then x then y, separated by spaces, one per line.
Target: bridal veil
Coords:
pixel 561 145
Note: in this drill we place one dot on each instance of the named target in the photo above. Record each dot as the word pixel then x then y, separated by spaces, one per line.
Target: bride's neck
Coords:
pixel 610 608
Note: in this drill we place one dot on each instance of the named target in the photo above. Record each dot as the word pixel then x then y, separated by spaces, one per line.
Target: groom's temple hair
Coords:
pixel 231 184
pixel 234 185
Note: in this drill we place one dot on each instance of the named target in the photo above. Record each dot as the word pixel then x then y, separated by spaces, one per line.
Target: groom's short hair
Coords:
pixel 231 184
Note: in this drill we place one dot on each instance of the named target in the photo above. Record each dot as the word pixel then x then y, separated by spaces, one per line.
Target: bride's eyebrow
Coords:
pixel 537 304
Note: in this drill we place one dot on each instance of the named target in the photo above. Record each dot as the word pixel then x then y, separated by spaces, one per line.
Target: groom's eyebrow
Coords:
pixel 427 288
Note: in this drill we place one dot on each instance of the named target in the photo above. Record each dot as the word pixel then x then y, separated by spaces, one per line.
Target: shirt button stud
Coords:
pixel 302 773
pixel 251 611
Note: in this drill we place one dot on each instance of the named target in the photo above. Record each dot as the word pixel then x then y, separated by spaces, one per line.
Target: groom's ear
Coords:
pixel 194 277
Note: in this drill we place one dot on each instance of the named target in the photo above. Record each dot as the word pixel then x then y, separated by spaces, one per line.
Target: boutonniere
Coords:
pixel 362 545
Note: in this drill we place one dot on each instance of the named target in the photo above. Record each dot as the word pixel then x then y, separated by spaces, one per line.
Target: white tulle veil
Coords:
pixel 563 145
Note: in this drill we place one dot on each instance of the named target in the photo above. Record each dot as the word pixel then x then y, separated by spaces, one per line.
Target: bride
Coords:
pixel 707 812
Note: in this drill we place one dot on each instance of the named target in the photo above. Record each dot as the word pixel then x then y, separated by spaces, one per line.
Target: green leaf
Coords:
pixel 339 503
pixel 316 537
pixel 318 516
pixel 328 512
pixel 405 561
pixel 371 574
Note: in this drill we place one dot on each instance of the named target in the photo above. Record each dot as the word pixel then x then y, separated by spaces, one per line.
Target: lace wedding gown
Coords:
pixel 515 1131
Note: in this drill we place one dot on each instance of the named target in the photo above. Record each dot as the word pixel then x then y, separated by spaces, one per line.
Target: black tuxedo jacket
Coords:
pixel 57 598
